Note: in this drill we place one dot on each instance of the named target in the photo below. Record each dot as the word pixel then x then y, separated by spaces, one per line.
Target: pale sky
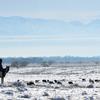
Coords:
pixel 52 45
pixel 52 9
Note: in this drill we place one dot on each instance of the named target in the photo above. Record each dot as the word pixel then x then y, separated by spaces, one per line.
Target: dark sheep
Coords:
pixel 44 81
pixel 91 81
pixel 36 81
pixel 48 81
pixel 96 80
pixel 55 81
pixel 90 86
pixel 59 83
pixel 30 83
pixel 70 82
pixel 51 82
pixel 83 80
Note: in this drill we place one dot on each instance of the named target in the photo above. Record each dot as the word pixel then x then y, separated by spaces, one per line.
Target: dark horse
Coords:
pixel 3 71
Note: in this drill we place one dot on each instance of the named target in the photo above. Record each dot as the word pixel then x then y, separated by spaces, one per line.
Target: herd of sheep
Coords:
pixel 64 82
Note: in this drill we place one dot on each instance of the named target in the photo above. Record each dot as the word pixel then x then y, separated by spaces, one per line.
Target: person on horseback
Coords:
pixel 1 67
pixel 3 70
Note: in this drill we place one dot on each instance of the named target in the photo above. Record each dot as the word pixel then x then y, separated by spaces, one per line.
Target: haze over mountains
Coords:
pixel 27 26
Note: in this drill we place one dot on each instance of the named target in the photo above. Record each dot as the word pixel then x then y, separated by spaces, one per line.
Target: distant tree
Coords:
pixel 50 62
pixel 15 64
pixel 19 64
pixel 45 64
pixel 96 62
pixel 24 63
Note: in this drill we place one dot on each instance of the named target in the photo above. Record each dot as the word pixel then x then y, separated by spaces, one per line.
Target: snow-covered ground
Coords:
pixel 52 83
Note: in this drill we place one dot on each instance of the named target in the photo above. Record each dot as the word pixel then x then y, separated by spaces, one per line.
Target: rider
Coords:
pixel 1 67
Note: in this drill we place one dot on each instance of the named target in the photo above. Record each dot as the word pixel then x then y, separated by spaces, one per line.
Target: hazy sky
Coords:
pixel 52 9
pixel 65 10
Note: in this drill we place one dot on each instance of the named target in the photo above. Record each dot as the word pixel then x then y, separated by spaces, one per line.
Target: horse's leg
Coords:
pixel 2 80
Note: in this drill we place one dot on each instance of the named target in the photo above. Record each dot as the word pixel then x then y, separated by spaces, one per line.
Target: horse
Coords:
pixel 3 73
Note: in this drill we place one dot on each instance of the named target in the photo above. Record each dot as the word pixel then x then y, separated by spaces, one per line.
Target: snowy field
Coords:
pixel 65 82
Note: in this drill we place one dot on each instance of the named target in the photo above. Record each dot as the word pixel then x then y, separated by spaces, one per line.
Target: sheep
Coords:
pixel 44 81
pixel 59 83
pixel 55 81
pixel 51 82
pixel 48 81
pixel 83 80
pixel 70 82
pixel 30 83
pixel 36 81
pixel 91 81
pixel 97 80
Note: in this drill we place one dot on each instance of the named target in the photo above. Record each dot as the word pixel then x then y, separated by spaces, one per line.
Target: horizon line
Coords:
pixel 47 56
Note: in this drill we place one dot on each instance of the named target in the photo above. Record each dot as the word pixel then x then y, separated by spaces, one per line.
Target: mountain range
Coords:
pixel 53 59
